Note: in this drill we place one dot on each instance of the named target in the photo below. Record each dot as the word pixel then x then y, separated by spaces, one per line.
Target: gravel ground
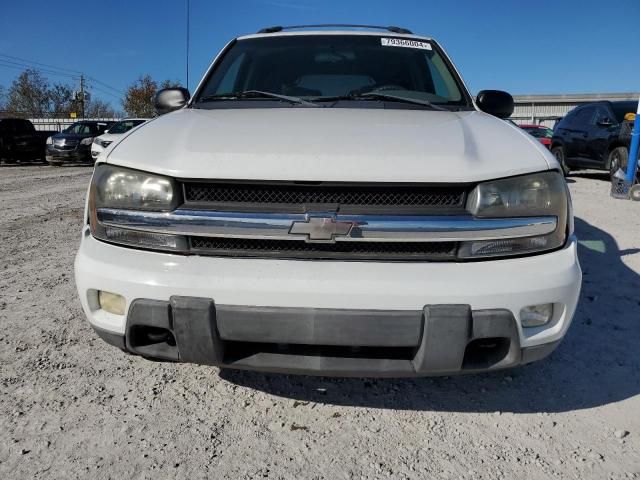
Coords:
pixel 73 407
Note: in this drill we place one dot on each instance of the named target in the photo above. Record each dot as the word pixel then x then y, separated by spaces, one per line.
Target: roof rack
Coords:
pixel 324 25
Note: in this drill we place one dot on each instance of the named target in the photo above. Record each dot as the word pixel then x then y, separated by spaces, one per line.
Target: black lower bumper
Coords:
pixel 438 340
pixel 60 156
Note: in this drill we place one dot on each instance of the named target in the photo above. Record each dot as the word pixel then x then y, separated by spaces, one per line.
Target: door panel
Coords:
pixel 598 142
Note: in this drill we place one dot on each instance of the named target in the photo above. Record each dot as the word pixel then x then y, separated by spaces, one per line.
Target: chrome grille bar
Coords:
pixel 326 227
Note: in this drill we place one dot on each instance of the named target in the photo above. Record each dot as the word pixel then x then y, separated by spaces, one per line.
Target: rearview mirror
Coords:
pixel 170 99
pixel 495 102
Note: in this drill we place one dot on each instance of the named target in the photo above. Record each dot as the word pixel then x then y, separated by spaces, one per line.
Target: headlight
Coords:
pixel 97 141
pixel 536 195
pixel 86 141
pixel 49 141
pixel 121 188
pixel 116 187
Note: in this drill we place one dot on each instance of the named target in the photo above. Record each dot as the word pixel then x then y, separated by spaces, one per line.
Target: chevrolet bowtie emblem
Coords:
pixel 321 228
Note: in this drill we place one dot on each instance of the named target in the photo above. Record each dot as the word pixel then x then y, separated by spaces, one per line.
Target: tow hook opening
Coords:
pixel 142 336
pixel 155 343
pixel 485 352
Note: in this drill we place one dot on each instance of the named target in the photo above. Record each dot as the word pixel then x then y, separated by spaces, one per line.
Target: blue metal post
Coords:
pixel 632 166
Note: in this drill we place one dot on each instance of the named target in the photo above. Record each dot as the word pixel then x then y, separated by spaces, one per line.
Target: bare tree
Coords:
pixel 29 93
pixel 99 109
pixel 61 100
pixel 3 97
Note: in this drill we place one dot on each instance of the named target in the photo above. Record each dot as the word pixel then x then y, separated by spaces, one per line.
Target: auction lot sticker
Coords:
pixel 403 42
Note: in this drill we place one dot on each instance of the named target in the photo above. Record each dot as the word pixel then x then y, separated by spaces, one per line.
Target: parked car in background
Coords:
pixel 113 133
pixel 595 135
pixel 74 143
pixel 542 133
pixel 19 140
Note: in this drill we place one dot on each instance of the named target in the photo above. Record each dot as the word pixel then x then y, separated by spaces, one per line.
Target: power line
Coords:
pixel 76 74
pixel 19 66
pixel 120 92
pixel 93 87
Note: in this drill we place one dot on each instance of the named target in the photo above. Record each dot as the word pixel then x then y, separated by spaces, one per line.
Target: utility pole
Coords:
pixel 188 15
pixel 82 95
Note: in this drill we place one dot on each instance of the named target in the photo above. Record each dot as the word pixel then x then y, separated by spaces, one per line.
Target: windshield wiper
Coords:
pixel 380 96
pixel 249 94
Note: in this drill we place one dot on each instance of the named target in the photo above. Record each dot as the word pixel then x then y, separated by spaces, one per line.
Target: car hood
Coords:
pixel 331 144
pixel 110 137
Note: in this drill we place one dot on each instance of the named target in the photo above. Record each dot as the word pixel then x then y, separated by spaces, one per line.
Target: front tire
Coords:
pixel 558 152
pixel 618 158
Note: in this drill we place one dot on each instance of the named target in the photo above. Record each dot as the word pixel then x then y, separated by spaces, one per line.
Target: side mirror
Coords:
pixel 170 99
pixel 106 131
pixel 495 102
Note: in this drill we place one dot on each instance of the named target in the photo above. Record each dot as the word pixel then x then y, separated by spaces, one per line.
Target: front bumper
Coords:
pixel 326 317
pixel 81 153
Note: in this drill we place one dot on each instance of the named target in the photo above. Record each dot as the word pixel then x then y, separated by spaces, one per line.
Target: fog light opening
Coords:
pixel 111 302
pixel 536 315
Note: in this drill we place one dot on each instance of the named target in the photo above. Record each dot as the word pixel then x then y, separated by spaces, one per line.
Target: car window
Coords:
pixel 584 116
pixel 124 126
pixel 539 132
pixel 77 129
pixel 620 109
pixel 228 81
pixel 602 114
pixel 315 66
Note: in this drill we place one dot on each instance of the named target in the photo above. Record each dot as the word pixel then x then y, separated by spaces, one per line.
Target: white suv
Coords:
pixel 101 143
pixel 335 203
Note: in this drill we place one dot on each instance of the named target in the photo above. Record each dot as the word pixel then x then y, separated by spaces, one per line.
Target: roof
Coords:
pixel 576 97
pixel 333 32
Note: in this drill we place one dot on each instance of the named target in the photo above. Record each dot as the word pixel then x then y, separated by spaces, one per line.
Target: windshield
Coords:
pixel 539 132
pixel 125 125
pixel 316 66
pixel 620 109
pixel 80 128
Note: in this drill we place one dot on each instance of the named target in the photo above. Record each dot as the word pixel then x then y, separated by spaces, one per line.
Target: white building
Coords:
pixel 546 109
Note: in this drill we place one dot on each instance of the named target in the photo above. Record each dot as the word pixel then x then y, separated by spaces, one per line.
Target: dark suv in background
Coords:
pixel 595 135
pixel 74 143
pixel 19 140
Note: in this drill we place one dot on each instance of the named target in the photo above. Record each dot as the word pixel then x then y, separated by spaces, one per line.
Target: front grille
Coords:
pixel 381 251
pixel 266 196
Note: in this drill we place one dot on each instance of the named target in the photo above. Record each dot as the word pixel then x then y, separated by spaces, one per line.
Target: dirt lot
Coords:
pixel 73 407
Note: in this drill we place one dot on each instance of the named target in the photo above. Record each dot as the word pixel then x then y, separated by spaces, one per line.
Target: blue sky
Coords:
pixel 538 46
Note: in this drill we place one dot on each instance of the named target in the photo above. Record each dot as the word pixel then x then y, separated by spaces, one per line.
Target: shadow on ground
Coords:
pixel 598 363
pixel 590 175
pixel 43 163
